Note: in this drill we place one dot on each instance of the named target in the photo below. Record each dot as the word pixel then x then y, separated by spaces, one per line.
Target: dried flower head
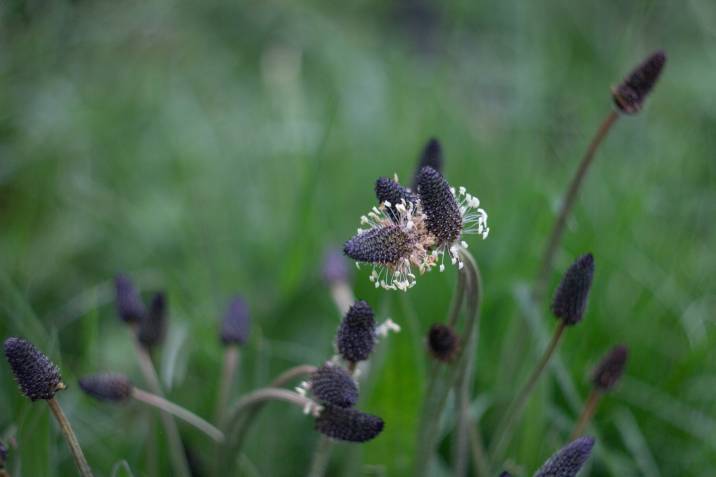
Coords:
pixel 568 460
pixel 333 385
pixel 356 334
pixel 348 424
pixel 610 369
pixel 107 386
pixel 130 307
pixel 153 327
pixel 417 231
pixel 37 376
pixel 443 342
pixel 570 299
pixel 236 324
pixel 629 96
pixel 334 268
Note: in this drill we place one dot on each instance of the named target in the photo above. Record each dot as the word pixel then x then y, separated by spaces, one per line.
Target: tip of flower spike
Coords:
pixel 387 191
pixel 333 385
pixel 610 368
pixel 569 460
pixel 37 376
pixel 386 245
pixel 443 217
pixel 347 424
pixel 570 299
pixel 432 156
pixel 443 342
pixel 107 386
pixel 236 323
pixel 334 268
pixel 130 307
pixel 356 334
pixel 629 96
pixel 152 328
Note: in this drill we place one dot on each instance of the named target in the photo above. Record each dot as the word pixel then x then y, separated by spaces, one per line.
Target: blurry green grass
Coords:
pixel 218 147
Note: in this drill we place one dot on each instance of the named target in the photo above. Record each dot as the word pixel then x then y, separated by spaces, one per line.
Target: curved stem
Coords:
pixel 568 202
pixel 291 374
pixel 178 411
pixel 321 456
pixel 517 406
pixel 71 438
pixel 231 360
pixel 590 408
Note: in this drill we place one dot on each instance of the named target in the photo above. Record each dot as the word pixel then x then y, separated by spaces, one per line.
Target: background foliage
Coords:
pixel 217 147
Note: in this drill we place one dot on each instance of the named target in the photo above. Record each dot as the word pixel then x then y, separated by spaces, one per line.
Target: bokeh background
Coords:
pixel 219 147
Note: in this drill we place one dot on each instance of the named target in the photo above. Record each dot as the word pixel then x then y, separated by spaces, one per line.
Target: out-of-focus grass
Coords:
pixel 218 147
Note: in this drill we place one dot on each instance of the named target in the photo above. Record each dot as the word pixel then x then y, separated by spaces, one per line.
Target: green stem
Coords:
pixel 71 438
pixel 590 408
pixel 321 456
pixel 231 359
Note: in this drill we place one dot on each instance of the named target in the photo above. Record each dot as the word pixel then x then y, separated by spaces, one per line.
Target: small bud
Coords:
pixel 388 190
pixel 443 343
pixel 37 376
pixel 386 245
pixel 347 424
pixel 610 369
pixel 356 335
pixel 335 268
pixel 130 307
pixel 629 96
pixel 568 460
pixel 153 327
pixel 333 385
pixel 107 386
pixel 570 299
pixel 443 214
pixel 236 324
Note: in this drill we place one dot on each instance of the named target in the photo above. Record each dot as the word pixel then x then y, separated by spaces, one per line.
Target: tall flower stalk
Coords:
pixel 234 332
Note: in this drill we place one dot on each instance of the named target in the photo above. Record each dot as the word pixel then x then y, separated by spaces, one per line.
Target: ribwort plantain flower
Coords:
pixel 569 460
pixel 153 327
pixel 333 385
pixel 347 424
pixel 356 334
pixel 610 369
pixel 443 342
pixel 107 386
pixel 334 268
pixel 417 231
pixel 236 324
pixel 37 376
pixel 570 299
pixel 130 307
pixel 629 96
pixel 432 156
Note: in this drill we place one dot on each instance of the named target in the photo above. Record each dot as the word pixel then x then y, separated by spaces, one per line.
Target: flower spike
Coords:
pixel 37 376
pixel 107 386
pixel 570 299
pixel 629 96
pixel 333 385
pixel 610 369
pixel 347 424
pixel 569 460
pixel 356 335
pixel 236 324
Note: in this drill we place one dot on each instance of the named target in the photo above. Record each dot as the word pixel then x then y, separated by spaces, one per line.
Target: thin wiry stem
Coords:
pixel 590 408
pixel 479 456
pixel 178 411
pixel 342 296
pixel 228 371
pixel 291 374
pixel 71 438
pixel 321 457
pixel 567 204
pixel 514 412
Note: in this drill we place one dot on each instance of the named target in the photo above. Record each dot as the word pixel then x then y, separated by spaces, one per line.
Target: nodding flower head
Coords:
pixel 153 327
pixel 389 191
pixel 236 324
pixel 629 96
pixel 130 307
pixel 334 268
pixel 570 299
pixel 568 460
pixel 107 386
pixel 610 368
pixel 356 334
pixel 443 343
pixel 333 385
pixel 348 424
pixel 37 376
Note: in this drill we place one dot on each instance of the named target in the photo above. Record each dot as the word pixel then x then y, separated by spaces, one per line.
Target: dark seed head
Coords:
pixel 570 299
pixel 610 368
pixel 387 189
pixel 439 204
pixel 568 460
pixel 107 386
pixel 236 324
pixel 153 327
pixel 432 156
pixel 347 424
pixel 385 245
pixel 629 96
pixel 333 385
pixel 130 307
pixel 37 376
pixel 335 267
pixel 356 335
pixel 443 343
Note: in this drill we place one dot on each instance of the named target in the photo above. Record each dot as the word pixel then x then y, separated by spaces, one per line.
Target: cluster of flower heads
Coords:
pixel 411 230
pixel 150 322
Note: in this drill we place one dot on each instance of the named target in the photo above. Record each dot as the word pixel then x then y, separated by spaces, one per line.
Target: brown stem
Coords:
pixel 568 202
pixel 231 359
pixel 590 408
pixel 71 438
